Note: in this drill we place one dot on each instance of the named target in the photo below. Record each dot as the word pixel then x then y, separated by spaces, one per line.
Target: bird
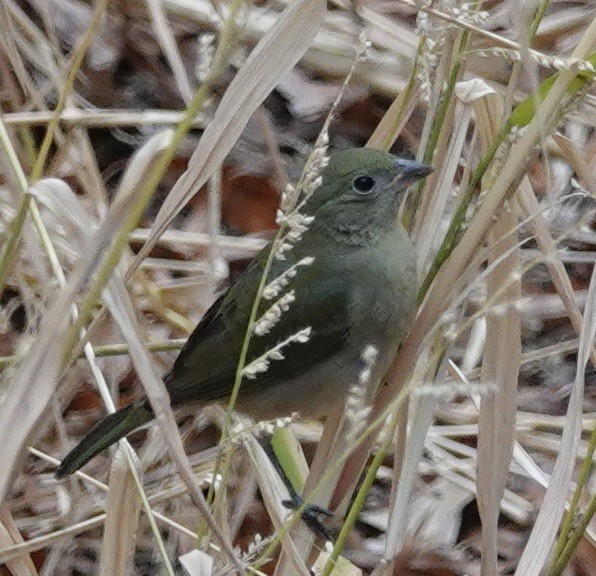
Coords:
pixel 348 284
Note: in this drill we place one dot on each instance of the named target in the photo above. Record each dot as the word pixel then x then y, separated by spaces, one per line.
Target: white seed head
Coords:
pixel 274 288
pixel 276 355
pixel 262 363
pixel 273 315
pixel 252 370
pixel 369 354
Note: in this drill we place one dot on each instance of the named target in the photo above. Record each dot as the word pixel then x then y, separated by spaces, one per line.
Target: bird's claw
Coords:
pixel 311 515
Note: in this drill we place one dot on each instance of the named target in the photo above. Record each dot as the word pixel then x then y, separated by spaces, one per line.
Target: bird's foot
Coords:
pixel 311 515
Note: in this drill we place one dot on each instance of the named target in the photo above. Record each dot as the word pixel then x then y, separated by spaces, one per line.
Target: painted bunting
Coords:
pixel 355 287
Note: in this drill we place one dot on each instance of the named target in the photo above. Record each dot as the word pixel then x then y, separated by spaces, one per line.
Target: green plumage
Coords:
pixel 359 291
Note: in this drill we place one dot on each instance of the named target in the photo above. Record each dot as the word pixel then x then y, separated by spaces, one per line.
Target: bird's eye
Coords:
pixel 363 184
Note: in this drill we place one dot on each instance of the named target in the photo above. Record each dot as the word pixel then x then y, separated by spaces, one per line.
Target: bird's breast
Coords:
pixel 383 301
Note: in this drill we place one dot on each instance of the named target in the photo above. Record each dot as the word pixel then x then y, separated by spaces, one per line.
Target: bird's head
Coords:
pixel 360 192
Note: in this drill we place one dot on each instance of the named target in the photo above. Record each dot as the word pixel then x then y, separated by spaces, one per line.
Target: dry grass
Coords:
pixel 485 432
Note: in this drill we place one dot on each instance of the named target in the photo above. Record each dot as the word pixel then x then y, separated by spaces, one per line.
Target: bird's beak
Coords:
pixel 410 171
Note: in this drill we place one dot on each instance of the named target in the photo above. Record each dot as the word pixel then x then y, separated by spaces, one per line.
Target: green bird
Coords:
pixel 359 290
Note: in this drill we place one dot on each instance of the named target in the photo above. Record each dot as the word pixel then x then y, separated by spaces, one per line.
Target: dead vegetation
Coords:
pixel 143 148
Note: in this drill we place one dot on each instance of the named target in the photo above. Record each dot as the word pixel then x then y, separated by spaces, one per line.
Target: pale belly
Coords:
pixel 316 390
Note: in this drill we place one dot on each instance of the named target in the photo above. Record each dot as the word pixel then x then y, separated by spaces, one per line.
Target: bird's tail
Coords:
pixel 104 434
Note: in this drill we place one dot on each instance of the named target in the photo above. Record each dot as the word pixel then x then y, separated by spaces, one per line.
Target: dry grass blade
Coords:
pixel 394 120
pixel 170 49
pixel 234 247
pixel 122 517
pixel 500 370
pixel 472 96
pixel 423 413
pixel 502 352
pixel 9 534
pixel 343 566
pixel 197 563
pixel 38 371
pixel 98 117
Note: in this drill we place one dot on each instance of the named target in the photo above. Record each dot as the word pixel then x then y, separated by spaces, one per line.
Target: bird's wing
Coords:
pixel 206 367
